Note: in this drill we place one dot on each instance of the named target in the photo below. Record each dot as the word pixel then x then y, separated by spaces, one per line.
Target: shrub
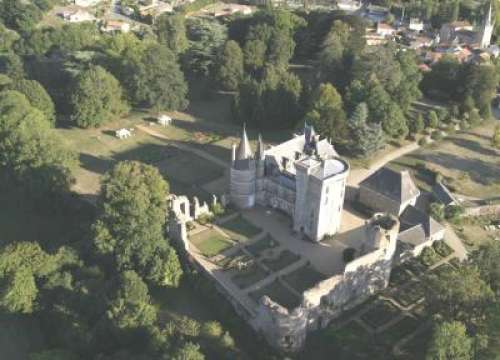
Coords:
pixel 190 225
pixel 205 219
pixel 429 257
pixel 454 213
pixel 217 209
pixel 348 254
pixel 442 248
pixel 423 141
pixel 437 135
pixel 437 211
pixel 187 326
pixel 211 329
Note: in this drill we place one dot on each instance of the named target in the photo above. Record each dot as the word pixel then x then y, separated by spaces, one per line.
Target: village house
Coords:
pixel 416 25
pixel 77 16
pixel 385 30
pixel 115 26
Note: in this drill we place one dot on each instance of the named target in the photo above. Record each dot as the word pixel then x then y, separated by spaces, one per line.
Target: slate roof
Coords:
pixel 413 236
pixel 412 217
pixel 443 194
pixel 396 185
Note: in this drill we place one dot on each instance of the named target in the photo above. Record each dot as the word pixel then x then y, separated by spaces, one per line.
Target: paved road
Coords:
pixel 358 175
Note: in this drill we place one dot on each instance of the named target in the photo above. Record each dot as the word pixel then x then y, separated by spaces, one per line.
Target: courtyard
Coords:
pixel 255 253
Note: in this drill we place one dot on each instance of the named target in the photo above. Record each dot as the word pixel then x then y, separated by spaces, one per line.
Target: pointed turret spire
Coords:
pixel 244 150
pixel 259 154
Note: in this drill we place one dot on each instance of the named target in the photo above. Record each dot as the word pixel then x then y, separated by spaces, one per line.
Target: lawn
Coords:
pixel 278 293
pixel 248 276
pixel 240 229
pixel 210 242
pixel 303 278
pixel 409 294
pixel 284 259
pixel 398 331
pixel 262 245
pixel 381 313
pixel 467 161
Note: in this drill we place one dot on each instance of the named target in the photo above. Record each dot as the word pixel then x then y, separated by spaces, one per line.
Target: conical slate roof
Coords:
pixel 244 151
pixel 259 154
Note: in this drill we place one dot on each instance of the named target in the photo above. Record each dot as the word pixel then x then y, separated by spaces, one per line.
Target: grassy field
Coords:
pixel 240 229
pixel 303 278
pixel 278 293
pixel 467 161
pixel 210 242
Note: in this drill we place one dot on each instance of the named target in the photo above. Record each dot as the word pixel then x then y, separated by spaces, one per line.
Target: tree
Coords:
pixel 432 119
pixel 188 351
pixel 364 138
pixel 97 98
pixel 20 16
pixel 437 211
pixel 130 306
pixel 154 78
pixel 129 229
pixel 460 295
pixel 230 72
pixel 21 264
pixel 480 83
pixel 12 66
pixel 450 342
pixel 37 96
pixel 326 114
pixel 487 260
pixel 29 151
pixel 171 31
pixel 255 54
pixel 207 37
pixel 417 125
pixel 54 354
pixel 495 139
pixel 272 103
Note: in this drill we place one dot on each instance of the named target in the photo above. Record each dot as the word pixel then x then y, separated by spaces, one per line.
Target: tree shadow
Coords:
pixel 93 163
pixel 479 170
pixel 473 146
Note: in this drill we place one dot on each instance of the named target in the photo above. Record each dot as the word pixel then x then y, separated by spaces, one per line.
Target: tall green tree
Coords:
pixel 129 230
pixel 231 71
pixel 37 96
pixel 171 31
pixel 450 341
pixel 326 114
pixel 97 98
pixel 29 149
pixel 364 138
pixel 130 305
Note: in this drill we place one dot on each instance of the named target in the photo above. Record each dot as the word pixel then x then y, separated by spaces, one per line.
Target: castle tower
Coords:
pixel 487 29
pixel 242 174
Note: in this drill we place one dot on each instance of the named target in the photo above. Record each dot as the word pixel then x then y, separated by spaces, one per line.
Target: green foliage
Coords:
pixel 364 138
pixel 207 37
pixel 460 295
pixel 326 114
pixel 20 16
pixel 495 139
pixel 211 329
pixel 54 354
pixel 217 209
pixel 37 96
pixel 29 150
pixel 432 119
pixel 171 31
pixel 417 125
pixel 348 254
pixel 153 78
pixel 437 211
pixel 129 228
pixel 272 103
pixel 230 71
pixel 12 66
pixel 188 351
pixel 21 264
pixel 450 341
pixel 487 260
pixel 437 135
pixel 428 257
pixel 130 306
pixel 97 98
pixel 7 38
pixel 454 212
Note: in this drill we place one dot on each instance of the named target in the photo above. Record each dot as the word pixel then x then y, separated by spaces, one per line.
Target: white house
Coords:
pixel 123 133
pixel 349 5
pixel 77 16
pixel 164 120
pixel 416 25
pixel 115 26
pixel 384 29
pixel 86 3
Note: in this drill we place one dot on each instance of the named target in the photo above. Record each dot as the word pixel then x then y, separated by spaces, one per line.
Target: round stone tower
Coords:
pixel 242 174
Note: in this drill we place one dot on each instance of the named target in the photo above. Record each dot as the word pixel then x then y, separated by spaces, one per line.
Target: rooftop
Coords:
pixel 396 185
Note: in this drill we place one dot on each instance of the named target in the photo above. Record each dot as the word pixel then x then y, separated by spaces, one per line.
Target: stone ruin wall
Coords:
pixel 362 277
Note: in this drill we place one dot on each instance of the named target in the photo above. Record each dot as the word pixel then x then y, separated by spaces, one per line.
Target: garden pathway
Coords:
pixel 358 175
pixel 184 146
